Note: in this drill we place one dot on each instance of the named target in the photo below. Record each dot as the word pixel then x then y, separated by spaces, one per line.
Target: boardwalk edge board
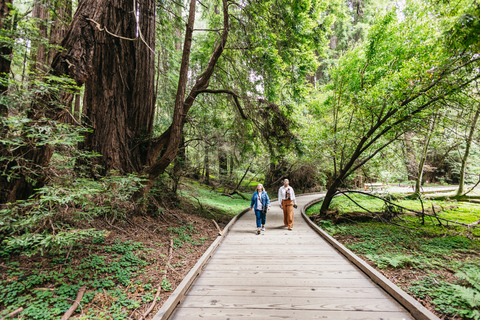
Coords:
pixel 179 294
pixel 416 309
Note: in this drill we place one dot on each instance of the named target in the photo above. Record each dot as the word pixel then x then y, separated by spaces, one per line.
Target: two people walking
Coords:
pixel 261 204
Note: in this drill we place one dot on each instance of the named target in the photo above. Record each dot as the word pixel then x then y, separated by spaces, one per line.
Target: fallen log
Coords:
pixel 75 304
pixel 13 314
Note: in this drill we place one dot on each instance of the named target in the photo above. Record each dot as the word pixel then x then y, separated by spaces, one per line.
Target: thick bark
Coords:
pixel 5 51
pixel 5 62
pixel 61 18
pixel 119 95
pixel 40 13
pixel 168 147
pixel 461 183
pixel 75 61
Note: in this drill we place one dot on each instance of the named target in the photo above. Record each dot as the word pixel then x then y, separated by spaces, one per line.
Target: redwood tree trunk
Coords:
pixel 119 95
pixel 61 18
pixel 5 51
pixel 75 61
pixel 39 58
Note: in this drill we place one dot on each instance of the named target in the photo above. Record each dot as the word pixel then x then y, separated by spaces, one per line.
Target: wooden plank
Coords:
pixel 281 268
pixel 260 314
pixel 291 303
pixel 282 274
pixel 261 261
pixel 278 256
pixel 352 274
pixel 286 282
pixel 174 299
pixel 317 292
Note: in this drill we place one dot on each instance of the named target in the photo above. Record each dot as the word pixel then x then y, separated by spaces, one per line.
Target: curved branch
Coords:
pixel 233 94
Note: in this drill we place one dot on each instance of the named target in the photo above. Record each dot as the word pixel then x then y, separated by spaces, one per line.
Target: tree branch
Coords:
pixel 233 94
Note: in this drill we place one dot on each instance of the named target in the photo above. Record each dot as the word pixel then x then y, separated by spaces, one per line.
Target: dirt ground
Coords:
pixel 153 232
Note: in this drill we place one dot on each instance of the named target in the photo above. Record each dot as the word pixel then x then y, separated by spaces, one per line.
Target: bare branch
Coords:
pixel 233 94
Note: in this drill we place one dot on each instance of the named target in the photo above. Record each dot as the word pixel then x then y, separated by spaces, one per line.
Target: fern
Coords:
pixel 470 276
pixel 469 296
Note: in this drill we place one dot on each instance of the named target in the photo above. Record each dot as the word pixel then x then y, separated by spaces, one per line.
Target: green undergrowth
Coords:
pixel 120 276
pixel 464 212
pixel 437 264
pixel 211 202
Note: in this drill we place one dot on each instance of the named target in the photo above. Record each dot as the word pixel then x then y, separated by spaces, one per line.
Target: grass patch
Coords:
pixel 213 202
pixel 438 265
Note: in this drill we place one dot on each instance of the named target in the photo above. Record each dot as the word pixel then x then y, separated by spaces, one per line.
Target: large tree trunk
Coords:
pixel 461 182
pixel 75 61
pixel 40 13
pixel 5 51
pixel 119 95
pixel 61 18
pixel 167 144
pixel 5 62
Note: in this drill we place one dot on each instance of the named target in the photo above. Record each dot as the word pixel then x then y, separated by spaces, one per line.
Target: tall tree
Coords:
pixel 119 95
pixel 376 104
pixel 41 16
pixel 74 62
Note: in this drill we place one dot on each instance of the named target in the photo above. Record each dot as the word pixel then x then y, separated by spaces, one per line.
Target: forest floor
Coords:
pixel 438 265
pixel 122 270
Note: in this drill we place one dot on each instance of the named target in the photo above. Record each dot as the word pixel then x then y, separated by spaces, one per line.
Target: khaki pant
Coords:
pixel 288 213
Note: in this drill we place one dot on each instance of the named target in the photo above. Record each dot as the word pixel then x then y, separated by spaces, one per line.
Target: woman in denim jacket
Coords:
pixel 261 203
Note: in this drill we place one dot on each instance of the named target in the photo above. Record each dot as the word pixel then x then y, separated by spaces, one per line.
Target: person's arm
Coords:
pixel 293 197
pixel 268 200
pixel 251 202
pixel 280 196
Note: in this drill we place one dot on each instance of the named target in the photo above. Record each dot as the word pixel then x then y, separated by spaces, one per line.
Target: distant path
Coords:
pixel 283 274
pixel 394 189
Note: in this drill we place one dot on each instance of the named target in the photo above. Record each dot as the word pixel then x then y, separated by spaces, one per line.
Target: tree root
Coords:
pixel 75 304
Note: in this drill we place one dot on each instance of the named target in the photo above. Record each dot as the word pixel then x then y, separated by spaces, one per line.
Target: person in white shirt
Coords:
pixel 286 199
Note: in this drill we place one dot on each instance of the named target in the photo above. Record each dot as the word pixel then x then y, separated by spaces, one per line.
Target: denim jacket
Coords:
pixel 264 199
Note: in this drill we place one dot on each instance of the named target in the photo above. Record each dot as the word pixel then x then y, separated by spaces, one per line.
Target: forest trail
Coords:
pixel 283 274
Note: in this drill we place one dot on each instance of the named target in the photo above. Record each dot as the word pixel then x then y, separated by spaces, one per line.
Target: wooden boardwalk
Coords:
pixel 283 274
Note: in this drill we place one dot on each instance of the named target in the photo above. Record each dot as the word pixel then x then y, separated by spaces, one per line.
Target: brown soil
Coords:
pixel 152 232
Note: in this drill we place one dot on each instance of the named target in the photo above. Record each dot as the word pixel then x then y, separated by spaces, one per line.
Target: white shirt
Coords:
pixel 259 201
pixel 282 194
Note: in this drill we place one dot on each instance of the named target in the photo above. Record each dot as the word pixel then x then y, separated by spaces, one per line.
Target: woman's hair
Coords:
pixel 256 189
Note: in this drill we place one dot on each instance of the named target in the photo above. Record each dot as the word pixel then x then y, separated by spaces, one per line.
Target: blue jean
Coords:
pixel 261 217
